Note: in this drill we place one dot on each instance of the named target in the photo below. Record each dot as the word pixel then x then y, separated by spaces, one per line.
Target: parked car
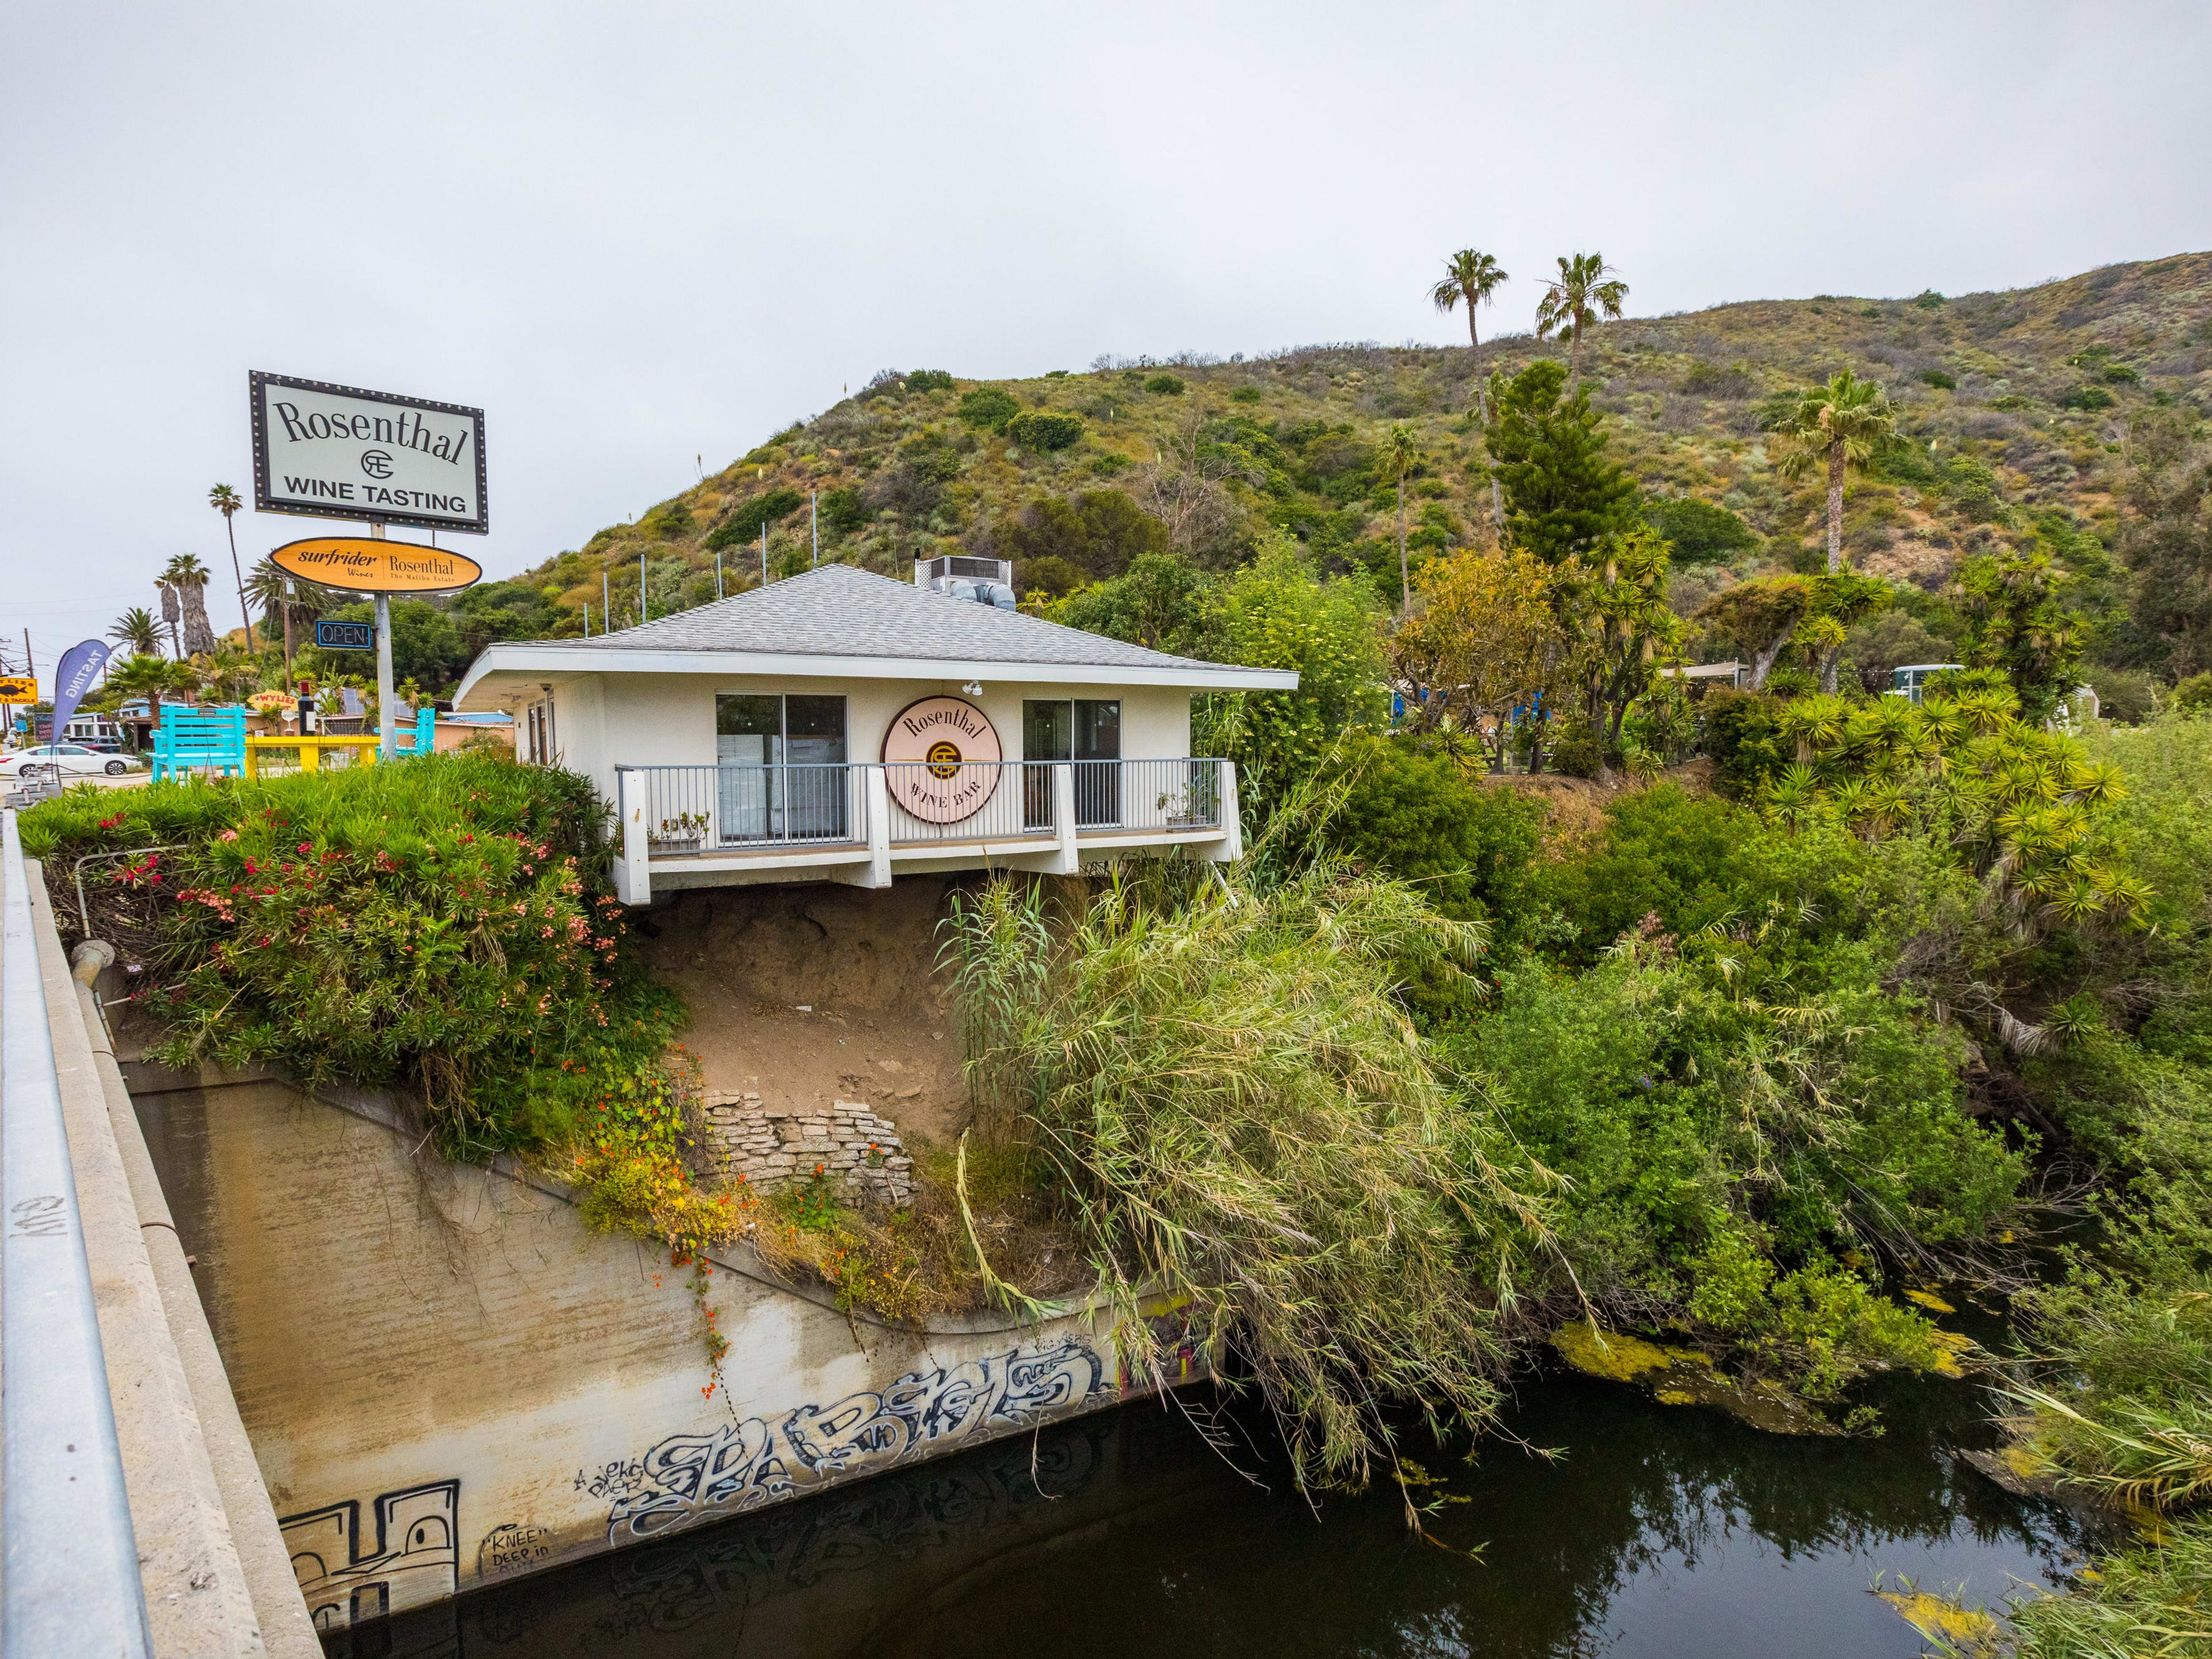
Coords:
pixel 72 758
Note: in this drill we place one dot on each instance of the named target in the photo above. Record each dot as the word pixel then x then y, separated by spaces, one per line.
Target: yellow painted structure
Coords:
pixel 310 750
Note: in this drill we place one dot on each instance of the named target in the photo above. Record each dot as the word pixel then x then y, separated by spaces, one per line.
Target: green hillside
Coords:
pixel 2021 407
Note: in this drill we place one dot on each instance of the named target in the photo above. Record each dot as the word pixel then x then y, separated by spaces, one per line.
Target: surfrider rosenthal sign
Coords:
pixel 359 565
pixel 336 452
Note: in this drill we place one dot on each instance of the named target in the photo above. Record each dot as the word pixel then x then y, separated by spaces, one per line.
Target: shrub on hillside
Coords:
pixel 1733 382
pixel 667 521
pixel 1936 378
pixel 1101 532
pixel 1702 533
pixel 1164 385
pixel 1572 751
pixel 743 522
pixel 929 380
pixel 2085 397
pixel 1664 853
pixel 843 511
pixel 1743 735
pixel 990 407
pixel 1422 819
pixel 1044 429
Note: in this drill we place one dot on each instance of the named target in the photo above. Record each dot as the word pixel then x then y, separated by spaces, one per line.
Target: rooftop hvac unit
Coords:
pixel 959 576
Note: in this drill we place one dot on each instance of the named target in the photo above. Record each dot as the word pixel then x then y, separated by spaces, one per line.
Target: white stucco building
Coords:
pixel 843 726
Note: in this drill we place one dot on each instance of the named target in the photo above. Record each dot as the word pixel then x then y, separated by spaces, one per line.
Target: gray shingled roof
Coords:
pixel 841 611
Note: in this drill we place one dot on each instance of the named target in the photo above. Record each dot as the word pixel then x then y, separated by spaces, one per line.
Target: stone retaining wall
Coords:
pixel 847 1143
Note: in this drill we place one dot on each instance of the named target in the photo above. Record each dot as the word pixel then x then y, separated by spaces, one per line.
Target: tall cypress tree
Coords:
pixel 1562 491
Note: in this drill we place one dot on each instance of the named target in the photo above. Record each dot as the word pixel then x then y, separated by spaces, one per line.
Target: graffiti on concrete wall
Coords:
pixel 928 1509
pixel 690 1477
pixel 413 1560
pixel 511 1546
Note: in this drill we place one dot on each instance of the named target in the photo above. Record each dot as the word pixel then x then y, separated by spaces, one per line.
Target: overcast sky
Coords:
pixel 638 234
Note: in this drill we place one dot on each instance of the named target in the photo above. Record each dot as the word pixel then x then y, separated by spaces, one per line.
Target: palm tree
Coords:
pixel 137 628
pixel 1843 423
pixel 150 677
pixel 231 673
pixel 1586 289
pixel 1473 276
pixel 188 578
pixel 1400 456
pixel 284 596
pixel 226 500
pixel 171 610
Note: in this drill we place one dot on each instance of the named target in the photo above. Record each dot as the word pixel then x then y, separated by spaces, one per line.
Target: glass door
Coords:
pixel 1084 730
pixel 779 767
pixel 1097 764
pixel 748 743
pixel 1048 735
pixel 814 747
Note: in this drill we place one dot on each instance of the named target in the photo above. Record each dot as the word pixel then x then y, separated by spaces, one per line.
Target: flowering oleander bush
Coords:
pixel 441 927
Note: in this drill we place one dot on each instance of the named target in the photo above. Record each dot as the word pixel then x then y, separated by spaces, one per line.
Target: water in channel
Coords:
pixel 1659 1532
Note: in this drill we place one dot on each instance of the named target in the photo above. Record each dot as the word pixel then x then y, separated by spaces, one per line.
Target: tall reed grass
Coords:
pixel 1240 1117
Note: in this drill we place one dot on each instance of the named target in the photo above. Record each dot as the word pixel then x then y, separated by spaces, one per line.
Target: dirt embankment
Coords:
pixel 812 994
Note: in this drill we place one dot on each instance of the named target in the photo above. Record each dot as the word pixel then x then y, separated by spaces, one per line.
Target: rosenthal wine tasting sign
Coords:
pixel 336 452
pixel 941 759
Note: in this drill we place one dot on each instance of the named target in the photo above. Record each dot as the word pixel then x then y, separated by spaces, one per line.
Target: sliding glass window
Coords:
pixel 781 771
pixel 1086 731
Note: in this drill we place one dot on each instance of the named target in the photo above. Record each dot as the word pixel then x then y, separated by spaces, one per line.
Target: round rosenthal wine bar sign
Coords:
pixel 941 759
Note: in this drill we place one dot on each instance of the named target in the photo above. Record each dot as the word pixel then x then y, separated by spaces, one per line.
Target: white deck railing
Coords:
pixel 689 810
pixel 719 821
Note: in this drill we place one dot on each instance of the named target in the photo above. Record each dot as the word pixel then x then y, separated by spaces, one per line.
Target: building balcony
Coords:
pixel 862 822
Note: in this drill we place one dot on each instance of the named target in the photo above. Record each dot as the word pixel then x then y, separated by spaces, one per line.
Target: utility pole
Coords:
pixel 814 524
pixel 26 638
pixel 718 573
pixel 606 603
pixel 640 590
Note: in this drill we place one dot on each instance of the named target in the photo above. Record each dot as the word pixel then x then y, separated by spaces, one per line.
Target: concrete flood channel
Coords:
pixel 480 1428
pixel 482 1432
pixel 1660 1531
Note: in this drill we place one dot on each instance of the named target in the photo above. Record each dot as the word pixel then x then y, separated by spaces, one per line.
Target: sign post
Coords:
pixel 380 568
pixel 387 722
pixel 338 451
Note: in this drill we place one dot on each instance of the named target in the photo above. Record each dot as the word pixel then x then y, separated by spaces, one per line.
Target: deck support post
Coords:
pixel 876 805
pixel 633 877
pixel 1066 861
pixel 878 800
pixel 1231 847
